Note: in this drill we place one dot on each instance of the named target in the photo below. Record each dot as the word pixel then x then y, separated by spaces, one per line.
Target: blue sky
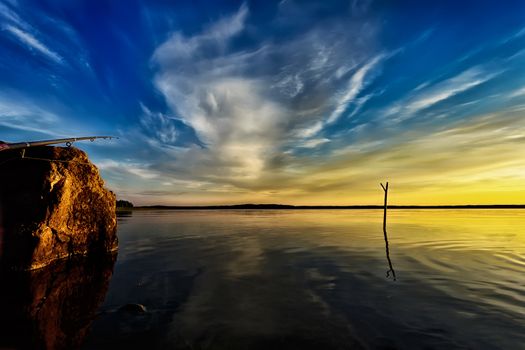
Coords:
pixel 302 102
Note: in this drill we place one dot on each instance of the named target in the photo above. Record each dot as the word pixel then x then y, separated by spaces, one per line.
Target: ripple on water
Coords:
pixel 284 274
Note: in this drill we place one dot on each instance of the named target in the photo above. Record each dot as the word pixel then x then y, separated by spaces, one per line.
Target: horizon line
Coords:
pixel 289 206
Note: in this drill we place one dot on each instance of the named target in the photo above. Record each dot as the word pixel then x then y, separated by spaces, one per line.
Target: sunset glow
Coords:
pixel 293 102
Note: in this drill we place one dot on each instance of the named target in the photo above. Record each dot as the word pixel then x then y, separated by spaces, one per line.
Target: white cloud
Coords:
pixel 310 131
pixel 360 102
pixel 291 85
pixel 141 171
pixel 179 47
pixel 17 113
pixel 160 125
pixel 248 106
pixel 517 93
pixel 314 143
pixel 33 43
pixel 11 16
pixel 230 116
pixel 355 85
pixel 228 27
pixel 427 95
pixel 516 35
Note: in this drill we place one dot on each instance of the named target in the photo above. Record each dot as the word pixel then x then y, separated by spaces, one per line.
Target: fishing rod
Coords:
pixel 4 146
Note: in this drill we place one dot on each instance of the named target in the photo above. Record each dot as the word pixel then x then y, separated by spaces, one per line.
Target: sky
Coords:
pixel 292 102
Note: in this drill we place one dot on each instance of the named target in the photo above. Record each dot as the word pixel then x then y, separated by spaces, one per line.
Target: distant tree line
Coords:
pixel 124 204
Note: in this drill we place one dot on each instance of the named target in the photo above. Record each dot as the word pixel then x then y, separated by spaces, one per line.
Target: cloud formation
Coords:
pixel 249 113
pixel 25 33
pixel 23 115
pixel 303 102
pixel 429 94
pixel 33 43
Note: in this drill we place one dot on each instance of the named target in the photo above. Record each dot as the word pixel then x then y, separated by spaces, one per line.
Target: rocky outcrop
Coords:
pixel 53 205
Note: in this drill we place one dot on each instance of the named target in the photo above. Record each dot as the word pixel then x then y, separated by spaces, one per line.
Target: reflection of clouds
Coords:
pixel 246 259
pixel 319 278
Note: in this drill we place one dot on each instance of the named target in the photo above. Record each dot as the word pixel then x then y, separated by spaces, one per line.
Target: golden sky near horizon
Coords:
pixel 477 161
pixel 277 101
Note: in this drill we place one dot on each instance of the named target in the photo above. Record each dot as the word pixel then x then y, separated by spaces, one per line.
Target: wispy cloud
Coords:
pixel 214 38
pixel 428 94
pixel 36 118
pixel 520 92
pixel 33 43
pixel 25 33
pixel 141 171
pixel 20 114
pixel 313 143
pixel 516 35
pixel 160 125
pixel 355 85
pixel 248 112
pixel 469 155
pixel 8 15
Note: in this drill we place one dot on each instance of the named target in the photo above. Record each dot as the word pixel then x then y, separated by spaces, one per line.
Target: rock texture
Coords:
pixel 52 307
pixel 52 205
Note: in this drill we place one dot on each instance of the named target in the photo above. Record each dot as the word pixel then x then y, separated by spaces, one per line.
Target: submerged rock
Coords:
pixel 53 205
pixel 133 308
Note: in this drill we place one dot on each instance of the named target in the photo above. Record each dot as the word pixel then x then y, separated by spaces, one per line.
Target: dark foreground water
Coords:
pixel 317 280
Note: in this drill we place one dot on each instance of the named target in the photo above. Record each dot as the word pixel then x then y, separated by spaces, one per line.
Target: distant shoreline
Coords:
pixel 322 207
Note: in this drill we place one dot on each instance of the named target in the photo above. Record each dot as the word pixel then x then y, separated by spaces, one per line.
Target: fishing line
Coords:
pixel 45 160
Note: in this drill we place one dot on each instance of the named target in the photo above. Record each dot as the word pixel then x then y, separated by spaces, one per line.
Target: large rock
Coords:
pixel 52 205
pixel 52 307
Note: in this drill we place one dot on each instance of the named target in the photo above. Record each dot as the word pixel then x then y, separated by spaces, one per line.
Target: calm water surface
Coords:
pixel 252 279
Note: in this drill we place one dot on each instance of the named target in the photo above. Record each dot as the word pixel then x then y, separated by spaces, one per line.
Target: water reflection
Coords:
pixel 53 307
pixel 315 279
pixel 124 213
pixel 391 268
pixel 387 250
pixel 143 313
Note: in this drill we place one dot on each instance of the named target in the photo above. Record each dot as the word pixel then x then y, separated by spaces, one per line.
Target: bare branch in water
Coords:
pixel 391 268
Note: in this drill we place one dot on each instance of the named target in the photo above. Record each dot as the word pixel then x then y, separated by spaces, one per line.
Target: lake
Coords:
pixel 316 279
